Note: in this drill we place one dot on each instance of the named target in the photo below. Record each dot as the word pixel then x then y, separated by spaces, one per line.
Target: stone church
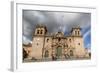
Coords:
pixel 57 46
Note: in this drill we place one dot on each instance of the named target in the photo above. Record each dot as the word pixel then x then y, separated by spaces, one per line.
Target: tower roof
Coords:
pixel 41 26
pixel 76 27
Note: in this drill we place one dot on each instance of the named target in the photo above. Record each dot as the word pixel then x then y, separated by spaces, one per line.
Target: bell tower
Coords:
pixel 38 41
pixel 40 30
pixel 78 42
pixel 76 31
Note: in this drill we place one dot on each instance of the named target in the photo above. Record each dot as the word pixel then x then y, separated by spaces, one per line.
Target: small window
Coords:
pixel 59 39
pixel 37 44
pixel 69 40
pixel 47 40
pixel 78 43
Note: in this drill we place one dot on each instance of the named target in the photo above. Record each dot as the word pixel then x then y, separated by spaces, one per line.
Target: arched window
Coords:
pixel 41 32
pixel 69 40
pixel 47 39
pixel 59 39
pixel 78 32
pixel 46 53
pixel 78 43
pixel 37 31
pixel 75 32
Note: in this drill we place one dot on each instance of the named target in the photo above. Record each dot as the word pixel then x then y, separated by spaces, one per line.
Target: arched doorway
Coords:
pixel 46 53
pixel 58 52
pixel 71 53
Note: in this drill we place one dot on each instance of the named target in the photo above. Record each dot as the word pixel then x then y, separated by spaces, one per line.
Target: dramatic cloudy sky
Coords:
pixel 56 21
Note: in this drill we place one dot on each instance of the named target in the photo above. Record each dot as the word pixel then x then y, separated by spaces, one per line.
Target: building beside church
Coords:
pixel 57 46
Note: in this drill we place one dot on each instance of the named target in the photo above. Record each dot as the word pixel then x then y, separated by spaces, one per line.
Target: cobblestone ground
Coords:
pixel 47 60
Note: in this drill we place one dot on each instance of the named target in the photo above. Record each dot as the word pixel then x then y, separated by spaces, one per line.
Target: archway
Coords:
pixel 58 52
pixel 71 53
pixel 46 53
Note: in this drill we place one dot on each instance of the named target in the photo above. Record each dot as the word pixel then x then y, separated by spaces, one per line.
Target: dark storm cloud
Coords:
pixel 54 21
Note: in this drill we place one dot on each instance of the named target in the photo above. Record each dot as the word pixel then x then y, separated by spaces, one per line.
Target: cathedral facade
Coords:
pixel 57 45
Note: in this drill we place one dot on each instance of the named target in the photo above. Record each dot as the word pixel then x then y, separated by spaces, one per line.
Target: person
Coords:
pixel 54 58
